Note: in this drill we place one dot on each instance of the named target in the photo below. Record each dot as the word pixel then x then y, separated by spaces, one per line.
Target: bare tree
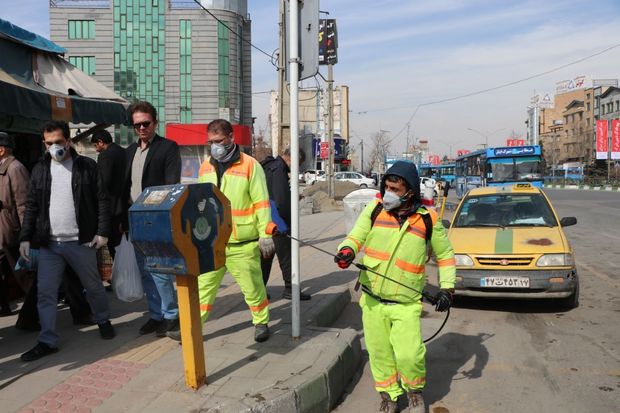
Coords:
pixel 261 149
pixel 379 148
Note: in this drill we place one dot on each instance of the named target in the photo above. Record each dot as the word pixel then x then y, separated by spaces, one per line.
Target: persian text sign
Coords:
pixel 615 139
pixel 601 139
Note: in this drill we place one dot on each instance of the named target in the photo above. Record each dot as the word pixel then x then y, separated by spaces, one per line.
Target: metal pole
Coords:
pixel 279 148
pixel 362 157
pixel 330 132
pixel 294 129
pixel 535 125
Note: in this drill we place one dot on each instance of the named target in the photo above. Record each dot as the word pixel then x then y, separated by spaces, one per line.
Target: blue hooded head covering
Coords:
pixel 409 173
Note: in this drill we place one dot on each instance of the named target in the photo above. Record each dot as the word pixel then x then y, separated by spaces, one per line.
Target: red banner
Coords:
pixel 615 139
pixel 519 142
pixel 324 153
pixel 510 142
pixel 601 139
pixel 461 152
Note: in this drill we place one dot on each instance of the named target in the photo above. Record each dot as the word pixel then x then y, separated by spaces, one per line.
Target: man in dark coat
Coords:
pixel 67 215
pixel 277 171
pixel 152 161
pixel 111 164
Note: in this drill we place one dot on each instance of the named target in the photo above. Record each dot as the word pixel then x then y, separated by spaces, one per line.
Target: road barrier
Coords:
pixel 584 187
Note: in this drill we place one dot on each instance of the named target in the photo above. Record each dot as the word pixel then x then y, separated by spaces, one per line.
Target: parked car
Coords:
pixel 311 176
pixel 509 243
pixel 432 182
pixel 354 177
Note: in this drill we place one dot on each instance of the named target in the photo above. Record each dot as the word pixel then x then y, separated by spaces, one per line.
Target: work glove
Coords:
pixel 24 250
pixel 344 258
pixel 266 247
pixel 443 300
pixel 98 242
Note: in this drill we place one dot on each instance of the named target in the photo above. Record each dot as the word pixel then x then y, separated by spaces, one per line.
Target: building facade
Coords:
pixel 313 121
pixel 193 67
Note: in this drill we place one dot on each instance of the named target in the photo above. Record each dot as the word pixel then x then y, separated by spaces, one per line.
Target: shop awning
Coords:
pixel 195 134
pixel 37 84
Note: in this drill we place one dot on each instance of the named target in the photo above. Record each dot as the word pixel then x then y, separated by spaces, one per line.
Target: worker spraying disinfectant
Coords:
pixel 394 232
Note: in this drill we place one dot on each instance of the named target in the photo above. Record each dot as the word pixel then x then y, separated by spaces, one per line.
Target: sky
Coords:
pixel 397 56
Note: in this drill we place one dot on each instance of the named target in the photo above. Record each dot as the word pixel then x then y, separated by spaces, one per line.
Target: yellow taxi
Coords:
pixel 509 243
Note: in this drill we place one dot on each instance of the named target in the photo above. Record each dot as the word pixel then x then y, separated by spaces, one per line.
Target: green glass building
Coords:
pixel 172 53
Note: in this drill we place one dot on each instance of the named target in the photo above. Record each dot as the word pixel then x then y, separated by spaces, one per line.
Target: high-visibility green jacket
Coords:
pixel 399 252
pixel 245 186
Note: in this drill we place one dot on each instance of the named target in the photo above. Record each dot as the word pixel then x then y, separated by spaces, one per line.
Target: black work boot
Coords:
pixel 387 404
pixel 261 333
pixel 416 402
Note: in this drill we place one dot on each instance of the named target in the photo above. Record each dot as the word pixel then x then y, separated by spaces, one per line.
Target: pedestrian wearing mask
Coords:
pixel 242 180
pixel 394 232
pixel 67 215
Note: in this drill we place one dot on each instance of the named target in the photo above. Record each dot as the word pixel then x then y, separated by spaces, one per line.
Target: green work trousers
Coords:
pixel 394 342
pixel 243 263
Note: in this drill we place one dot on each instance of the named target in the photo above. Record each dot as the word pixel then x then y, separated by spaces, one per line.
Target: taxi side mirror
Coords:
pixel 568 221
pixel 445 223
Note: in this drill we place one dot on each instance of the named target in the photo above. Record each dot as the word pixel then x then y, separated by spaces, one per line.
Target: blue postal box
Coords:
pixel 181 229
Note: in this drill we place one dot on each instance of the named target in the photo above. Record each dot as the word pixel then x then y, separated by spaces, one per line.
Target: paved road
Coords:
pixel 529 356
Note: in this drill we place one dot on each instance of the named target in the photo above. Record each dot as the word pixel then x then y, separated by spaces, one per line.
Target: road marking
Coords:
pixel 609 235
pixel 600 275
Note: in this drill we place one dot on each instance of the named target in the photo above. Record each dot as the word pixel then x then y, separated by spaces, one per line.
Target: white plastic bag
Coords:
pixel 126 276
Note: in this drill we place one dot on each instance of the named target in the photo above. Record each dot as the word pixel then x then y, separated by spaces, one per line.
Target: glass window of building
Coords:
pixel 81 29
pixel 223 54
pixel 185 71
pixel 85 63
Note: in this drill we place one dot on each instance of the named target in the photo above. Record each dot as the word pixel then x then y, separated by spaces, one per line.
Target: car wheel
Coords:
pixel 363 186
pixel 571 301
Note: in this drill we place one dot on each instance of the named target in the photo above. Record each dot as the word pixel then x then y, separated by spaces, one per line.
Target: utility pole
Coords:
pixel 362 156
pixel 294 134
pixel 407 144
pixel 330 131
pixel 282 126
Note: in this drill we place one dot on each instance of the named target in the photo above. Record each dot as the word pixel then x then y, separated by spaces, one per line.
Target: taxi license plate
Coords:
pixel 505 282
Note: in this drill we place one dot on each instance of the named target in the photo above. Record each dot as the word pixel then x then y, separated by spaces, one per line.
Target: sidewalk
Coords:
pixel 135 373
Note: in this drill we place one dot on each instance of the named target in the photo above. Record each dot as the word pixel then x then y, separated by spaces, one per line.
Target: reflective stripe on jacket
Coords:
pixel 399 252
pixel 245 186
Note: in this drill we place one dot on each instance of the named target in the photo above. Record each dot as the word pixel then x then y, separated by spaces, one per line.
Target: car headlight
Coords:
pixel 555 260
pixel 463 260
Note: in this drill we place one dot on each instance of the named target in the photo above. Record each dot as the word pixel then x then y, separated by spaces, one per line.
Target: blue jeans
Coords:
pixel 159 290
pixel 52 262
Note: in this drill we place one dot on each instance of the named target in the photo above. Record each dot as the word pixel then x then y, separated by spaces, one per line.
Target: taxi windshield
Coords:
pixel 505 210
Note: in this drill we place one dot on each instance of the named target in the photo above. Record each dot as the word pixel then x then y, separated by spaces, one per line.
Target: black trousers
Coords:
pixel 5 273
pixel 283 252
pixel 115 235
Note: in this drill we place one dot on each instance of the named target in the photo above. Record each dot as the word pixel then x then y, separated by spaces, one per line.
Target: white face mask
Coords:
pixel 58 152
pixel 392 201
pixel 220 152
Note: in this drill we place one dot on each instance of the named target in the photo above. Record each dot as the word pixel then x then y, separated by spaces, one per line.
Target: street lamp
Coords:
pixel 486 135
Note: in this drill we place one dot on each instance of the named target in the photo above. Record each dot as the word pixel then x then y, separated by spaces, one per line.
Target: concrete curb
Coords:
pixel 584 187
pixel 318 389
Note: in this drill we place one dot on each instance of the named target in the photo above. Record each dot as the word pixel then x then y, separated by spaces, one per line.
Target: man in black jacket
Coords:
pixel 67 215
pixel 277 172
pixel 111 164
pixel 152 161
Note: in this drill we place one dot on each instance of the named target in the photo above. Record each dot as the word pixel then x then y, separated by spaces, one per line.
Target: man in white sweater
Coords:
pixel 67 215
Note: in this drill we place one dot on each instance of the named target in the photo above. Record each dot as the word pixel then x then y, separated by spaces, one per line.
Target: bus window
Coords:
pixel 528 168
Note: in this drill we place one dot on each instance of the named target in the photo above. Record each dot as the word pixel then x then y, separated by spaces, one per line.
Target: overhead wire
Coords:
pixel 270 56
pixel 491 89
